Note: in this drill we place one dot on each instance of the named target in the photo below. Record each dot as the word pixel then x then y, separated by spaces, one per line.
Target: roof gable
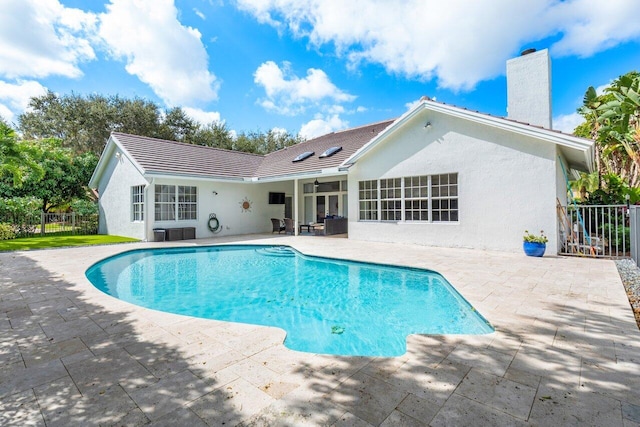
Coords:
pixel 578 151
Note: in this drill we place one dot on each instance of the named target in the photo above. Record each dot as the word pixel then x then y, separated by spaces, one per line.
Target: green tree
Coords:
pixel 64 177
pixel 177 126
pixel 613 121
pixel 215 134
pixel 263 143
pixel 16 160
pixel 85 123
pixel 218 135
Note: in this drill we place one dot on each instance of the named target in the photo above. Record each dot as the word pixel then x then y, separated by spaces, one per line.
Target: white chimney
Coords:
pixel 529 88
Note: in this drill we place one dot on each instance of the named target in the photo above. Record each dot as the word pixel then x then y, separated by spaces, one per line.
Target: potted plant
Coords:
pixel 534 245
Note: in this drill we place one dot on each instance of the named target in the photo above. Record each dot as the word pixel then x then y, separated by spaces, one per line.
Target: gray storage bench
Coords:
pixel 176 233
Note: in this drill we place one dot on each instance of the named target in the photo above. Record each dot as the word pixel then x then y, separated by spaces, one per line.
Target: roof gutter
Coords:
pixel 152 174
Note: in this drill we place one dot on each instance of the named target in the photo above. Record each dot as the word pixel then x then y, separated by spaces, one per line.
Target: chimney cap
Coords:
pixel 528 51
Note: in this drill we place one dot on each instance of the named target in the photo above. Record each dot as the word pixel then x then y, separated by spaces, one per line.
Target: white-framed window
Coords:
pixel 368 200
pixel 444 197
pixel 187 202
pixel 137 203
pixel 432 198
pixel 165 202
pixel 173 202
pixel 391 199
pixel 416 198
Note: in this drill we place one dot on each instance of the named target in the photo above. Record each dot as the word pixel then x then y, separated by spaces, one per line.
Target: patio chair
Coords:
pixel 277 225
pixel 288 226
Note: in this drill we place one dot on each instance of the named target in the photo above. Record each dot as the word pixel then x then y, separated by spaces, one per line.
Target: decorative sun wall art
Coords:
pixel 245 205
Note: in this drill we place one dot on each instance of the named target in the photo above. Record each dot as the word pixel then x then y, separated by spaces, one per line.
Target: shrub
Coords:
pixel 528 237
pixel 89 225
pixel 23 213
pixel 6 231
pixel 84 207
pixel 619 237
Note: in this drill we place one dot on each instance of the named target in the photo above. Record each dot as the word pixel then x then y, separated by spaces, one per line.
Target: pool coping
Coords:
pixel 565 348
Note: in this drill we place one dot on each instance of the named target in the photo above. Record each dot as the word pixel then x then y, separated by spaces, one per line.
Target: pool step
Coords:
pixel 283 251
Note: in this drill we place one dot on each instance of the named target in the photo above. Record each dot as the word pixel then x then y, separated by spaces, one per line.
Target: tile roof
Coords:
pixel 177 158
pixel 171 157
pixel 281 162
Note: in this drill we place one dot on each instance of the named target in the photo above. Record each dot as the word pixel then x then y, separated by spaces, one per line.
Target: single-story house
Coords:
pixel 439 175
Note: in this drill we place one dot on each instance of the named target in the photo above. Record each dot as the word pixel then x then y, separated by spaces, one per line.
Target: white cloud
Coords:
pixel 159 50
pixel 14 98
pixel 200 14
pixel 412 104
pixel 204 117
pixel 589 27
pixel 278 131
pixel 290 95
pixel 322 125
pixel 40 38
pixel 567 122
pixel 600 89
pixel 458 42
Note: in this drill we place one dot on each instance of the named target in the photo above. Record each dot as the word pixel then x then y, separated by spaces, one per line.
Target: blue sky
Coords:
pixel 309 67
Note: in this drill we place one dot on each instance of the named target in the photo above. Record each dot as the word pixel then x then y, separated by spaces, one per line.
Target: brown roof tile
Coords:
pixel 171 157
pixel 281 162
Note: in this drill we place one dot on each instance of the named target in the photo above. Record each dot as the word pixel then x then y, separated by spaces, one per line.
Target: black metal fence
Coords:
pixel 51 224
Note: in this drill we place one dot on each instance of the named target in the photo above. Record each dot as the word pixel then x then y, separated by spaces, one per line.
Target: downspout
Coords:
pixel 147 210
pixel 296 222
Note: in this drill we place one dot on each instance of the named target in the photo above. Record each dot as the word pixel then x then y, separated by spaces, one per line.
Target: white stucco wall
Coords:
pixel 227 205
pixel 507 184
pixel 115 196
pixel 529 89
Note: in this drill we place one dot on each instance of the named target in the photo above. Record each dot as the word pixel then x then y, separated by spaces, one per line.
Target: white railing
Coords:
pixel 600 231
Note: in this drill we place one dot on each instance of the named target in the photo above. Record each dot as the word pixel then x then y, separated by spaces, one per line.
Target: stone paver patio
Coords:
pixel 566 351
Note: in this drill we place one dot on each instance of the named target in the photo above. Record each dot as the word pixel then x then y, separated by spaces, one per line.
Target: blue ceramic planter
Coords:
pixel 534 248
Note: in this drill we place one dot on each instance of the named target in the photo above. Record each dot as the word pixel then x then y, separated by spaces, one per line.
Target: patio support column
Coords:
pixel 296 223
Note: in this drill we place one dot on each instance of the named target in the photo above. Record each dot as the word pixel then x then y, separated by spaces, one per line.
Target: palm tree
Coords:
pixel 613 121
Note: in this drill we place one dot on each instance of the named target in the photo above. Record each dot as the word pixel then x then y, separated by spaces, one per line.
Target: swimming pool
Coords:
pixel 325 305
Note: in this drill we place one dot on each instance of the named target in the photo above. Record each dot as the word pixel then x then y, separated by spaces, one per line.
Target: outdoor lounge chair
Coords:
pixel 288 226
pixel 277 225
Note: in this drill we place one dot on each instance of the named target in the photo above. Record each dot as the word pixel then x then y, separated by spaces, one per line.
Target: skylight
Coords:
pixel 303 156
pixel 330 152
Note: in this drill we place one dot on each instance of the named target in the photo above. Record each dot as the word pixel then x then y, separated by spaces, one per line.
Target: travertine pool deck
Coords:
pixel 566 351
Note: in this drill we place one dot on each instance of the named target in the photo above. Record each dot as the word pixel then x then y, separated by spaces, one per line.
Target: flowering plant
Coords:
pixel 528 237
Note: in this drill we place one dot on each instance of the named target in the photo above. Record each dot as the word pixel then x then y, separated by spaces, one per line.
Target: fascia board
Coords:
pixel 380 137
pixel 99 169
pixel 569 141
pixel 584 146
pixel 165 175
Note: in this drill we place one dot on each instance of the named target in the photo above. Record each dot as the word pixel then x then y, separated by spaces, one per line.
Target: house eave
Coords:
pixel 569 142
pixel 169 175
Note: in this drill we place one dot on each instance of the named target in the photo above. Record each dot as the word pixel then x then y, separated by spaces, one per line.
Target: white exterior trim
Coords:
pixel 583 146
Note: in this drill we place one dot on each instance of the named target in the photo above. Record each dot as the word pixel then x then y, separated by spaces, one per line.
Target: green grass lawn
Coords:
pixel 49 241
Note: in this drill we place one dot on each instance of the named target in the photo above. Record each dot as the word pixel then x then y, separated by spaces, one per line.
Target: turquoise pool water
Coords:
pixel 325 305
